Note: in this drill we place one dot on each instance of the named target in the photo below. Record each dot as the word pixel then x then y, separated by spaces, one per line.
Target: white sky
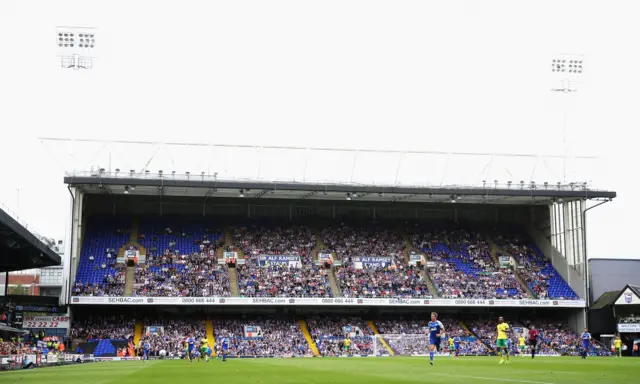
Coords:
pixel 409 75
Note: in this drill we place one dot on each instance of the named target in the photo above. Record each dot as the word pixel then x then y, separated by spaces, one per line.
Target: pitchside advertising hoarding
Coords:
pixel 253 301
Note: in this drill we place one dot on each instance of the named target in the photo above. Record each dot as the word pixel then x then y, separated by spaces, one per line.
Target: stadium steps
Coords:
pixel 129 279
pixel 374 329
pixel 483 341
pixel 333 281
pixel 233 282
pixel 494 254
pixel 208 325
pixel 135 230
pixel 307 336
pixel 138 331
pixel 321 246
pixel 432 288
pixel 408 247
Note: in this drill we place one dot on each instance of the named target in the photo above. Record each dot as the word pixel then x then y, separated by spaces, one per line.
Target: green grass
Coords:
pixel 471 370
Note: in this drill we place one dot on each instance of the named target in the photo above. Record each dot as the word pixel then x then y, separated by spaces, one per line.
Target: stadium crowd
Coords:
pixel 102 328
pixel 172 334
pixel 271 279
pixel 534 267
pixel 461 265
pixel 197 274
pixel 276 338
pixel 417 343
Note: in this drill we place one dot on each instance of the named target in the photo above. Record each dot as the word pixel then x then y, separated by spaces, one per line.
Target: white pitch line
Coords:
pixel 491 378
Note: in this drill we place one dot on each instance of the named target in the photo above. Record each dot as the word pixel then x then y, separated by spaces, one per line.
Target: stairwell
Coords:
pixel 408 248
pixel 384 343
pixel 129 280
pixel 333 282
pixel 495 249
pixel 208 324
pixel 486 344
pixel 233 282
pixel 138 331
pixel 304 328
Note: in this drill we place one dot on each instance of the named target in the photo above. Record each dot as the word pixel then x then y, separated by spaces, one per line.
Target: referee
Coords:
pixel 533 340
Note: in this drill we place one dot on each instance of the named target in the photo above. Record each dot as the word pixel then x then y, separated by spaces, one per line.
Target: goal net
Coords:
pixel 403 345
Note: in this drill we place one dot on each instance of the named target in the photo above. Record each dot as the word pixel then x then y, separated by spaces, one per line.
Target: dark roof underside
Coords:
pixel 197 186
pixel 20 249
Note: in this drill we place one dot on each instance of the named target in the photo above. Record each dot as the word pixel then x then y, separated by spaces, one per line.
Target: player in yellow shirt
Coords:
pixel 523 344
pixel 618 344
pixel 502 342
pixel 452 347
pixel 347 345
pixel 204 349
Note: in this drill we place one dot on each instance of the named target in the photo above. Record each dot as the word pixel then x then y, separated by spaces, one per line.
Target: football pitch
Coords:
pixel 549 370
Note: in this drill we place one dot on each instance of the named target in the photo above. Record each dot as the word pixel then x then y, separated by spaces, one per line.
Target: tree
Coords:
pixel 18 290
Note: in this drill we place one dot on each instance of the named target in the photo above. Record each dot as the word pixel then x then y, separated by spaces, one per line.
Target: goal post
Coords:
pixel 402 345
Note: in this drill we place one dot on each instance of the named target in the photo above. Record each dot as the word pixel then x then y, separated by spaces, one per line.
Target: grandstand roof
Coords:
pixel 20 249
pixel 206 185
pixel 607 299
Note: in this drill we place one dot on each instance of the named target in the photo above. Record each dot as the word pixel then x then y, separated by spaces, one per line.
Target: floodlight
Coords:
pixel 76 46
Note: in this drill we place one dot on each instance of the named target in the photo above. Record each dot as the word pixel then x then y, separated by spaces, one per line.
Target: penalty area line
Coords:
pixel 490 378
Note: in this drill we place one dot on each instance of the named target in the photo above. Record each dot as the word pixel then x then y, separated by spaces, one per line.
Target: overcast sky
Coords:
pixel 452 76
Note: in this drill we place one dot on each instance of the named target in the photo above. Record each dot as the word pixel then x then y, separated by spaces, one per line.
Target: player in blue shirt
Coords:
pixel 191 345
pixel 586 343
pixel 436 330
pixel 456 344
pixel 145 350
pixel 225 348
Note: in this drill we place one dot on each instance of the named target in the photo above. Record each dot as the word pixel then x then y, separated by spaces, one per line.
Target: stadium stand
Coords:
pixel 279 279
pixel 461 265
pixel 98 273
pixel 278 337
pixel 173 335
pixel 393 279
pixel 537 270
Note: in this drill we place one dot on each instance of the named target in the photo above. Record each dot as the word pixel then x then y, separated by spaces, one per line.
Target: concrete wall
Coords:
pixel 612 275
pixel 568 273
